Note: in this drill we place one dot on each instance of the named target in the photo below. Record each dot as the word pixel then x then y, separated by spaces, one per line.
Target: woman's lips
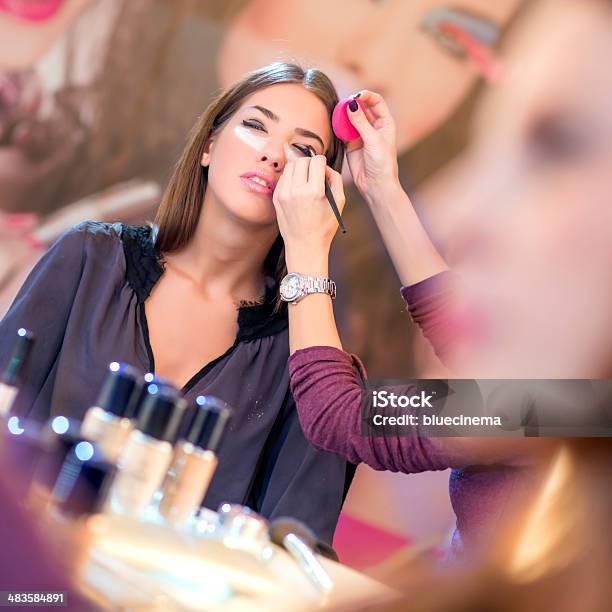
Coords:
pixel 31 10
pixel 256 187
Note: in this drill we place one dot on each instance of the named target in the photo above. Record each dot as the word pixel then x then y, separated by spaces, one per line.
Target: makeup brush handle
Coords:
pixel 308 563
pixel 334 206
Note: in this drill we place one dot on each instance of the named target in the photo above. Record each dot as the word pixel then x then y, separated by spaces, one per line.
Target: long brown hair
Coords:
pixel 179 211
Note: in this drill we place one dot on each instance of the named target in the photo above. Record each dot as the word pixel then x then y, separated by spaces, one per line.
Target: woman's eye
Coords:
pixel 253 124
pixel 305 150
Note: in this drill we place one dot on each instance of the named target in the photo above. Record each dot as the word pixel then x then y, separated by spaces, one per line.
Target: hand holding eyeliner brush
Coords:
pixel 332 201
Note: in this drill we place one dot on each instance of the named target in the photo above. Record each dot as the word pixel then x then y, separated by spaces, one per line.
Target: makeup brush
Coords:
pixel 300 542
pixel 332 201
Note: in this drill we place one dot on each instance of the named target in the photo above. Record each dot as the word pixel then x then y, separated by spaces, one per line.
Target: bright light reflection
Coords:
pixel 14 427
pixel 60 425
pixel 84 450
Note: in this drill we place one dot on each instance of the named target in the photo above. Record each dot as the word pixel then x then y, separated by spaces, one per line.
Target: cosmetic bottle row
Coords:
pixel 141 459
pixel 141 450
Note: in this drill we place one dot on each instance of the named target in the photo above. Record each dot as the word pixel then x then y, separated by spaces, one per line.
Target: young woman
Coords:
pixel 532 246
pixel 195 298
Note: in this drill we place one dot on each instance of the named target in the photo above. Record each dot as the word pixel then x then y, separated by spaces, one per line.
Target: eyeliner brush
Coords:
pixel 332 201
pixel 334 206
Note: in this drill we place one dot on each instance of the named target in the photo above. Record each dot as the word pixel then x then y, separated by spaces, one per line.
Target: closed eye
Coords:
pixel 258 125
pixel 304 150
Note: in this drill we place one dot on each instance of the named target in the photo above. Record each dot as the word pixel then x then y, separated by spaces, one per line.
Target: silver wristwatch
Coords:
pixel 295 286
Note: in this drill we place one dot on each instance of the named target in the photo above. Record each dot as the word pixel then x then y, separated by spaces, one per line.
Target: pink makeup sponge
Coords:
pixel 341 124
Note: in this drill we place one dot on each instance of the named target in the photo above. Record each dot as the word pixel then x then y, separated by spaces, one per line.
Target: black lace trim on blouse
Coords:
pixel 262 319
pixel 145 265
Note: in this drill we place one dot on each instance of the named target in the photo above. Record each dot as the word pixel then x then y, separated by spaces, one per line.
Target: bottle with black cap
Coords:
pixel 9 379
pixel 109 423
pixel 79 492
pixel 145 380
pixel 83 481
pixel 194 462
pixel 145 458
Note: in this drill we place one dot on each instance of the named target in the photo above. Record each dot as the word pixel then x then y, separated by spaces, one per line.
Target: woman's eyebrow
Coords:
pixel 309 134
pixel 268 113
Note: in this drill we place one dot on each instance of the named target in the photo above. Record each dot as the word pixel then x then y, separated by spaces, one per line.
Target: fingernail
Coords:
pixel 353 105
pixel 357 95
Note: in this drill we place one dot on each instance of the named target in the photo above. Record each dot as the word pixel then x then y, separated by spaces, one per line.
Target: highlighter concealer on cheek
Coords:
pixel 256 142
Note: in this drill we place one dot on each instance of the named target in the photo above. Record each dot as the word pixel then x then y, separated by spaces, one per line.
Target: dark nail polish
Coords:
pixel 357 95
pixel 353 105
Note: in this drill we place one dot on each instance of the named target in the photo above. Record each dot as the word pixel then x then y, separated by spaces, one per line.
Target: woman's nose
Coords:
pixel 275 157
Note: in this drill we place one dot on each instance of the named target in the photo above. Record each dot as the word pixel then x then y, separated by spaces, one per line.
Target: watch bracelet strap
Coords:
pixel 320 285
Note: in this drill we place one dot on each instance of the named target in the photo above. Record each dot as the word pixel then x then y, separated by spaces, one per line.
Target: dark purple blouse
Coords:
pixel 84 301
pixel 325 383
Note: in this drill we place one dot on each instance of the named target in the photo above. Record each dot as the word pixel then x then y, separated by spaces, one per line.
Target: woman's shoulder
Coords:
pixel 100 235
pixel 92 232
pixel 109 243
pixel 80 241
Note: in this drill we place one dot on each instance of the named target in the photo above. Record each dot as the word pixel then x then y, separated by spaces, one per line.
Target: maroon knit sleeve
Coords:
pixel 428 304
pixel 326 384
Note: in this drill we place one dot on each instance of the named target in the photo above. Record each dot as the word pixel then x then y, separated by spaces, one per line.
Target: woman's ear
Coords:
pixel 205 161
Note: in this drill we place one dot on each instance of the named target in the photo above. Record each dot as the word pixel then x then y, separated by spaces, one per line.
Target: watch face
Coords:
pixel 290 287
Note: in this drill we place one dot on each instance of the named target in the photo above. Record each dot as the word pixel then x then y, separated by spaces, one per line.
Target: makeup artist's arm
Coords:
pixel 327 381
pixel 372 160
pixel 308 225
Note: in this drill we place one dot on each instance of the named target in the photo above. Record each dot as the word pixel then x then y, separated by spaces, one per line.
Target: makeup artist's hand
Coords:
pixel 372 159
pixel 305 218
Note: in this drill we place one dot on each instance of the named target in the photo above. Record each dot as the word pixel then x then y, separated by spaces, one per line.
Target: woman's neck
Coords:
pixel 225 257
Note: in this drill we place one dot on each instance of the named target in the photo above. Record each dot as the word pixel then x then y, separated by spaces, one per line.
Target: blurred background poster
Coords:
pixel 97 98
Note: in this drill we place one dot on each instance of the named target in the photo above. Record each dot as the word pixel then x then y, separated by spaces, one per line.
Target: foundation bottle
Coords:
pixel 108 424
pixel 144 460
pixel 79 492
pixel 194 462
